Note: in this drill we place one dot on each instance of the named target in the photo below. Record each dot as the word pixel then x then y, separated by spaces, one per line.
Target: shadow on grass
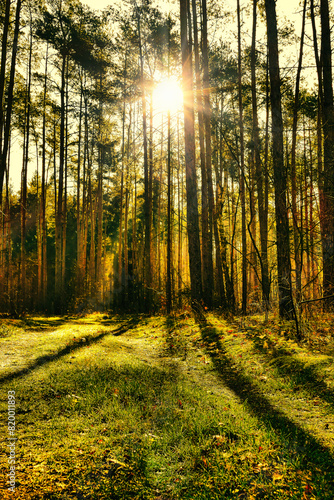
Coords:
pixel 43 324
pixel 297 440
pixel 301 376
pixel 123 399
pixel 72 347
pixel 175 344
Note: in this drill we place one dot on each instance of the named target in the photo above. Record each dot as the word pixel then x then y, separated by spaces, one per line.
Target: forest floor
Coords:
pixel 136 407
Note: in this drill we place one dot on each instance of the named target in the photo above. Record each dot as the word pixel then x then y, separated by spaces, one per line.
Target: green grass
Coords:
pixel 167 408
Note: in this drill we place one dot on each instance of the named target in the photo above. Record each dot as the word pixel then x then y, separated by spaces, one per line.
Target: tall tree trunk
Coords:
pixel 147 211
pixel 295 215
pixel 5 144
pixel 23 203
pixel 169 204
pixel 242 172
pixel 191 181
pixel 4 45
pixel 208 147
pixel 60 196
pixel 207 268
pixel 99 248
pixel 169 217
pixel 286 307
pixel 78 215
pixel 42 261
pixel 259 177
pixel 64 211
pixel 328 169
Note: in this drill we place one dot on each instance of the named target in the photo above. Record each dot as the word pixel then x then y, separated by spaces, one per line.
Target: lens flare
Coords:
pixel 167 96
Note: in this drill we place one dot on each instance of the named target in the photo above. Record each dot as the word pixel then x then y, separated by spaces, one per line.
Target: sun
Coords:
pixel 167 96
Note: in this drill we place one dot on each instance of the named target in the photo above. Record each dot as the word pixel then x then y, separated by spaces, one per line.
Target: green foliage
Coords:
pixel 147 408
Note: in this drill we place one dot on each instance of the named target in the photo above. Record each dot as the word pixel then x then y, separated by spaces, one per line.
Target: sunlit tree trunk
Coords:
pixel 42 261
pixel 207 267
pixel 208 146
pixel 286 307
pixel 147 198
pixel 7 122
pixel 295 215
pixel 60 195
pixel 328 168
pixel 23 200
pixel 191 181
pixel 259 175
pixel 4 46
pixel 78 214
pixel 242 172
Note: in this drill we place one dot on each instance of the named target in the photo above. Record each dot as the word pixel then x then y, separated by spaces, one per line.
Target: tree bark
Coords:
pixel 259 177
pixel 328 168
pixel 4 150
pixel 295 215
pixel 206 253
pixel 191 181
pixel 286 307
pixel 242 172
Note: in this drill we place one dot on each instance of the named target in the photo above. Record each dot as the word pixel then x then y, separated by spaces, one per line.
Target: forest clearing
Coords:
pixel 120 407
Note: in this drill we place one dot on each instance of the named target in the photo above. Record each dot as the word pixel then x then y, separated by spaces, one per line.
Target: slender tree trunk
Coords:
pixel 42 261
pixel 328 170
pixel 78 214
pixel 60 195
pixel 85 200
pixel 5 144
pixel 4 46
pixel 259 175
pixel 191 181
pixel 64 210
pixel 180 210
pixel 208 146
pixel 286 307
pixel 147 263
pixel 169 217
pixel 242 172
pixel 295 215
pixel 207 267
pixel 26 144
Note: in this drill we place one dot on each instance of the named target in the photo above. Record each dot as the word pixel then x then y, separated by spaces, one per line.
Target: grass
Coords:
pixel 168 408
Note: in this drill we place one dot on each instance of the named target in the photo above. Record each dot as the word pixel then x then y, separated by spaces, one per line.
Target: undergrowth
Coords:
pixel 167 408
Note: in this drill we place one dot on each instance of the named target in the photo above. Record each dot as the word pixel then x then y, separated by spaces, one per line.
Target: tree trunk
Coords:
pixel 60 195
pixel 242 172
pixel 286 307
pixel 191 181
pixel 328 168
pixel 207 267
pixel 147 211
pixel 4 150
pixel 295 215
pixel 259 177
pixel 23 200
pixel 4 45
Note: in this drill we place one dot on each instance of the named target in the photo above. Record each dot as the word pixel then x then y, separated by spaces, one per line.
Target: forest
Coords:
pixel 162 165
pixel 166 250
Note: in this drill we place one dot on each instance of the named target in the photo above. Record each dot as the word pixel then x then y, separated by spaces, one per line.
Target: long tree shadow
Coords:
pixel 301 376
pixel 175 344
pixel 72 347
pixel 300 441
pixel 43 323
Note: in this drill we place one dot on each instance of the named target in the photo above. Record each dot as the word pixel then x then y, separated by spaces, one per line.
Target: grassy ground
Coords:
pixel 168 408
